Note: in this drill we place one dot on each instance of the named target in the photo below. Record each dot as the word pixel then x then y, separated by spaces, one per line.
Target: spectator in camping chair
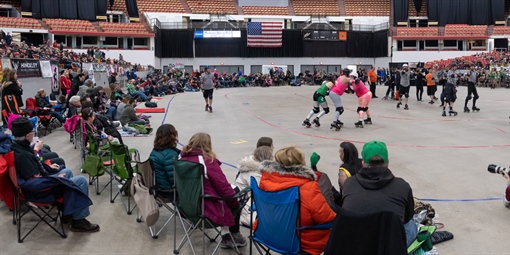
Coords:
pixel 163 156
pixel 43 103
pixel 199 148
pixel 89 116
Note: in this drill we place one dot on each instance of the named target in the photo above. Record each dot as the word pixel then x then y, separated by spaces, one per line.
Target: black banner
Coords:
pixel 26 5
pixel 101 7
pixel 68 9
pixel 50 9
pixel 86 9
pixel 36 9
pixel 26 67
pixel 132 8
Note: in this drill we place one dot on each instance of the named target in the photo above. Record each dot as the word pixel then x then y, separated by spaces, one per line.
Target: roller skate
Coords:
pixel 207 107
pixel 466 109
pixel 210 108
pixel 368 121
pixel 475 109
pixel 399 104
pixel 444 114
pixel 406 107
pixel 307 123
pixel 316 122
pixel 452 112
pixel 336 125
pixel 359 124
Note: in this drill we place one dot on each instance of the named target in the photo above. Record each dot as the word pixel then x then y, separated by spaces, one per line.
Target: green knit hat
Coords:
pixel 314 159
pixel 374 148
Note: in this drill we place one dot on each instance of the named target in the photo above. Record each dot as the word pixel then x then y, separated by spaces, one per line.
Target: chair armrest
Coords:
pixel 326 225
pixel 243 193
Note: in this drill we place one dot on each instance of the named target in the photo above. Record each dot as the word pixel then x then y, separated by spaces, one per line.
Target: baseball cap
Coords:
pixel 374 148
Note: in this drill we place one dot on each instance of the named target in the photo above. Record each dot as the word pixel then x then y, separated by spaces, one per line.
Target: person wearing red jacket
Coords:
pixel 65 82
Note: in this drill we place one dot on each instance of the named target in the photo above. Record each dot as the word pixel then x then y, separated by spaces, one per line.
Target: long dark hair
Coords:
pixel 166 137
pixel 351 157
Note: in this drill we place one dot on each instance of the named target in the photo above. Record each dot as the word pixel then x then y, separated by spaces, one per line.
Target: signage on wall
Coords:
pixel 323 35
pixel 200 34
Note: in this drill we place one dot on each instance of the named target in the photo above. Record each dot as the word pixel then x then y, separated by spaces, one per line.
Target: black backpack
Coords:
pixel 151 104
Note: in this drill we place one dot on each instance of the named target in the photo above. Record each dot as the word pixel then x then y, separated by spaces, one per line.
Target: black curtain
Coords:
pixel 313 48
pixel 432 10
pixel 36 9
pixel 218 47
pixel 400 11
pixel 498 9
pixel 292 46
pixel 68 9
pixel 480 12
pixel 111 3
pixel 101 8
pixel 417 5
pixel 86 9
pixel 132 8
pixel 49 9
pixel 26 5
pixel 380 44
pixel 174 43
pixel 367 44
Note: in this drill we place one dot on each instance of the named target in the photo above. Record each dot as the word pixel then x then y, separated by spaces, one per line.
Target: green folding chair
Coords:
pixel 189 201
pixel 96 160
pixel 123 166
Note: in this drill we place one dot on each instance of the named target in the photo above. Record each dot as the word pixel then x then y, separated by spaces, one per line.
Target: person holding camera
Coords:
pixel 403 90
pixel 450 90
pixel 472 79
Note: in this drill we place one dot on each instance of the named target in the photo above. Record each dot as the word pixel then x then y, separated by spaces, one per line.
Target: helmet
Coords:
pixel 207 67
pixel 405 65
pixel 330 77
pixel 346 71
pixel 355 74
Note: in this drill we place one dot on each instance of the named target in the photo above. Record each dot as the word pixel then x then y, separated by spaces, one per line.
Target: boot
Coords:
pixel 210 108
pixel 475 109
pixel 316 122
pixel 466 109
pixel 306 123
pixel 336 125
pixel 207 107
pixel 399 104
pixel 406 107
pixel 452 112
pixel 444 113
pixel 368 121
pixel 84 225
pixel 359 124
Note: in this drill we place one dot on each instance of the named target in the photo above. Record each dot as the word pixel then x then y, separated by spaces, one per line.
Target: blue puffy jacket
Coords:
pixel 163 162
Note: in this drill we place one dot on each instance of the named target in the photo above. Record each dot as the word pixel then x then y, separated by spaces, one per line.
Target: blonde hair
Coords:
pixel 263 153
pixel 201 141
pixel 289 156
pixel 39 93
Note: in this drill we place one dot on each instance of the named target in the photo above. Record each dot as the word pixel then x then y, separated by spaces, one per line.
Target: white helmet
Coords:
pixel 355 74
pixel 404 65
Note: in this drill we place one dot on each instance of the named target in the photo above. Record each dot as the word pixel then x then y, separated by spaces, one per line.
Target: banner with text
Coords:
pixel 26 67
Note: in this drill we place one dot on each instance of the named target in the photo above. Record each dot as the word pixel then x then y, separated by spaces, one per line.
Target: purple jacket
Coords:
pixel 217 185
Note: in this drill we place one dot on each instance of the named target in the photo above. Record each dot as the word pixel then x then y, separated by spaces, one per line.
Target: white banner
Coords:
pixel 46 69
pixel 87 67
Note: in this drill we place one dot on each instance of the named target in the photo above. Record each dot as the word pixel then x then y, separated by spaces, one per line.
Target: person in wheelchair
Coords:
pixel 216 184
pixel 289 170
pixel 33 175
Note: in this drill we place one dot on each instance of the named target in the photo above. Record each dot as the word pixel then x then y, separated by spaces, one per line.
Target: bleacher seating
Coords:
pixel 412 9
pixel 217 6
pixel 15 3
pixel 417 31
pixel 265 10
pixel 70 25
pixel 132 28
pixel 367 8
pixel 20 23
pixel 465 30
pixel 160 6
pixel 322 7
pixel 501 30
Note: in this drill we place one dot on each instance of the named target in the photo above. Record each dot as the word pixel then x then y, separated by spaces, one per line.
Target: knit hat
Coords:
pixel 314 159
pixel 374 148
pixel 21 127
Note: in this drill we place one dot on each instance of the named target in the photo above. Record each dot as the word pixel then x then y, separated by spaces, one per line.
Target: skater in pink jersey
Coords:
pixel 341 85
pixel 364 96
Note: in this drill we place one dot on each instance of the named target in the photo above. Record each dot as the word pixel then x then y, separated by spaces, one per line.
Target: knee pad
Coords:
pixel 468 97
pixel 476 97
pixel 360 109
pixel 326 110
pixel 340 109
pixel 316 110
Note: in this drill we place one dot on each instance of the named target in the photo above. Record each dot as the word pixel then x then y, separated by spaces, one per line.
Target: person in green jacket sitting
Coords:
pixel 163 156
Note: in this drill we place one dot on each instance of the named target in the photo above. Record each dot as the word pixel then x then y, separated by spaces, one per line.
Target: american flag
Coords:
pixel 264 34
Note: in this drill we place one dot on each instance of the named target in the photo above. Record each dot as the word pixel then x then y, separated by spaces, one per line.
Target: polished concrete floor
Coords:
pixel 442 158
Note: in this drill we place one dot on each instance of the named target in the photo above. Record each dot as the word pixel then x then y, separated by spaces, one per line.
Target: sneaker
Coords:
pixel 239 239
pixel 84 225
pixel 228 242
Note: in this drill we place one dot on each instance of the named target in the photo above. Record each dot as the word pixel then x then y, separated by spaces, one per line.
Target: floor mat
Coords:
pixel 150 110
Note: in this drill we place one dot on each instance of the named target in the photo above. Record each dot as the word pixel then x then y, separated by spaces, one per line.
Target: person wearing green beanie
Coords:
pixel 327 189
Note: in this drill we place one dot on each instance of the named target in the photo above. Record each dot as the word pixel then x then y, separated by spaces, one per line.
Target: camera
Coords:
pixel 495 169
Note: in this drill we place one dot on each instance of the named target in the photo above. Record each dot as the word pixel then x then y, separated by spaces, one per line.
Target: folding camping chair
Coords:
pixel 189 198
pixel 147 171
pixel 45 119
pixel 278 221
pixel 101 153
pixel 23 206
pixel 122 170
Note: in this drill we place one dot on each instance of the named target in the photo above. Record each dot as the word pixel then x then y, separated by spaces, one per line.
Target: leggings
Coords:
pixel 419 92
pixel 337 101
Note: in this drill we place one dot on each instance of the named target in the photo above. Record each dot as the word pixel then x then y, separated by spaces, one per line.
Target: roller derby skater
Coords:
pixel 319 100
pixel 364 96
pixel 341 85
pixel 450 91
pixel 472 79
pixel 403 91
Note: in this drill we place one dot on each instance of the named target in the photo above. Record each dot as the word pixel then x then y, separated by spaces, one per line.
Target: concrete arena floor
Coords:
pixel 441 158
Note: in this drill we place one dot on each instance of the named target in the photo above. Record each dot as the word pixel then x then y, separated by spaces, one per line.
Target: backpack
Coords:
pixel 151 104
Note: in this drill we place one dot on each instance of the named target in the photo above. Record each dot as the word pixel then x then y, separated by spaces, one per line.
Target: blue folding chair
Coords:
pixel 278 221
